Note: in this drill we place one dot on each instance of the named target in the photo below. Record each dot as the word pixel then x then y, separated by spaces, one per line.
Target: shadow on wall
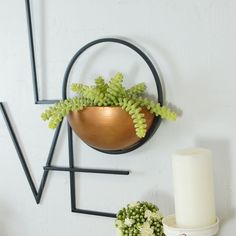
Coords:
pixel 164 201
pixel 5 215
pixel 221 157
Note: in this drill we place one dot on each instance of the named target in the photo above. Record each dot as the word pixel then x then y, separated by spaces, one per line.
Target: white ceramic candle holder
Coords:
pixel 171 229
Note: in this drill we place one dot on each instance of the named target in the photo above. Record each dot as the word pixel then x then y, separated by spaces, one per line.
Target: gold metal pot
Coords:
pixel 106 128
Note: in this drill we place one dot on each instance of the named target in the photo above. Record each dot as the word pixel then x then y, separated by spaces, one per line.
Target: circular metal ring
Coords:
pixel 156 121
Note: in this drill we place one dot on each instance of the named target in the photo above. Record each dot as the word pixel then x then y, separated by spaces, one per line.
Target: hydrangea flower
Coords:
pixel 148 214
pixel 156 215
pixel 146 230
pixel 139 219
pixel 129 222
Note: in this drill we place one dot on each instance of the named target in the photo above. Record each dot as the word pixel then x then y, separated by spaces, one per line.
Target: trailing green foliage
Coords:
pixel 112 93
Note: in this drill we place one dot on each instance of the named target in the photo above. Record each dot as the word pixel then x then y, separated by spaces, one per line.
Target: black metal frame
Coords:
pixel 48 167
pixel 72 169
pixel 157 120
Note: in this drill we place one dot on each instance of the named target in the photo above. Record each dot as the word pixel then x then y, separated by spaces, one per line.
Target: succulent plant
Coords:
pixel 112 93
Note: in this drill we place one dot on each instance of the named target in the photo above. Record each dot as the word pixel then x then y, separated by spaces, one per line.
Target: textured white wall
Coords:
pixel 193 44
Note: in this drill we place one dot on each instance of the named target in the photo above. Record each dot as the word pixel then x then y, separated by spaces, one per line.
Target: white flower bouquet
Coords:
pixel 139 219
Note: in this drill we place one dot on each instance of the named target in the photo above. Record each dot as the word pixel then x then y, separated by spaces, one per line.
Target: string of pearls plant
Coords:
pixel 112 93
pixel 139 219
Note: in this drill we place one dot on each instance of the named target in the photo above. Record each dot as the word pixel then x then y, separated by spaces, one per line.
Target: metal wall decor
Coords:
pixel 156 121
pixel 72 169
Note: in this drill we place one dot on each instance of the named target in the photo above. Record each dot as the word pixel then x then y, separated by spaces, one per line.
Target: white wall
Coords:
pixel 193 44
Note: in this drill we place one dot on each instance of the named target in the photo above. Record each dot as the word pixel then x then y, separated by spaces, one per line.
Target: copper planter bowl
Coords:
pixel 106 128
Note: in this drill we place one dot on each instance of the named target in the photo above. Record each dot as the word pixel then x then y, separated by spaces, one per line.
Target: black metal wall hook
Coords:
pixel 156 121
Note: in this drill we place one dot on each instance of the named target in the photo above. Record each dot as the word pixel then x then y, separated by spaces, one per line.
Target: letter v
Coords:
pixel 37 194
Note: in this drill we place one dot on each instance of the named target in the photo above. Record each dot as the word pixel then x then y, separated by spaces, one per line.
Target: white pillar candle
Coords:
pixel 193 188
